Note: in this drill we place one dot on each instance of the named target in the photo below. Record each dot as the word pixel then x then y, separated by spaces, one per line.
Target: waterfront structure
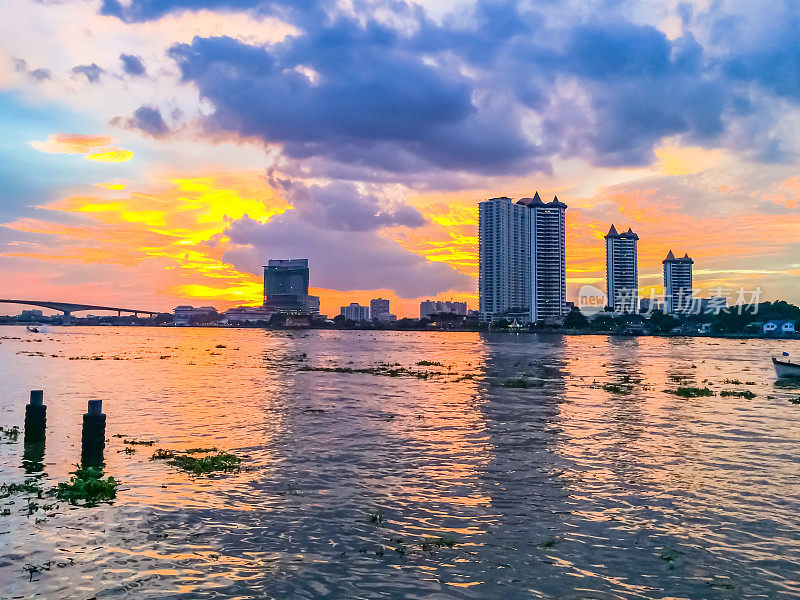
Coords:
pixel 522 259
pixel 184 314
pixel 678 292
pixel 432 307
pixel 779 327
pixel 247 314
pixel 378 307
pixel 355 312
pixel 286 287
pixel 31 314
pixel 622 272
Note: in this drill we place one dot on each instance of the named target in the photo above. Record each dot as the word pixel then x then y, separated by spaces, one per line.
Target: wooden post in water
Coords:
pixel 35 418
pixel 93 434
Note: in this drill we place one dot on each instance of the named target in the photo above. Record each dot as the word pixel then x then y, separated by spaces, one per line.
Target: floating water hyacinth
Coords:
pixel 203 465
pixel 88 484
pixel 691 392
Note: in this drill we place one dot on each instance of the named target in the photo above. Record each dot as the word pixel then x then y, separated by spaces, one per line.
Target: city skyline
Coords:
pixel 138 174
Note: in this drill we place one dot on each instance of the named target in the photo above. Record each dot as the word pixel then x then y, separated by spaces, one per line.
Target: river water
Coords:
pixel 596 483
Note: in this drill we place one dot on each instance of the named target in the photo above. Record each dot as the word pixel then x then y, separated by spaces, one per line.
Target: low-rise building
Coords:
pixel 378 307
pixel 431 307
pixel 384 317
pixel 185 314
pixel 778 327
pixel 247 314
pixel 355 312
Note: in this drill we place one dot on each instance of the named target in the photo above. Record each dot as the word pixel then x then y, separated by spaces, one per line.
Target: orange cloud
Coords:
pixel 71 143
pixel 110 154
pixel 92 147
pixel 175 228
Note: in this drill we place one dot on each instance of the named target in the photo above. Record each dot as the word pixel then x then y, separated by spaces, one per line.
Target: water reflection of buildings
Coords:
pixel 525 431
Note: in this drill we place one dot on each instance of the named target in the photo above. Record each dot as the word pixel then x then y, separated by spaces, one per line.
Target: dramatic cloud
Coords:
pixel 506 93
pixel 341 206
pixel 339 228
pixel 373 104
pixel 341 260
pixel 132 65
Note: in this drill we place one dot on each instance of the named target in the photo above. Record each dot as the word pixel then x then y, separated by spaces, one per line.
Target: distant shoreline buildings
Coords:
pixel 428 308
pixel 521 275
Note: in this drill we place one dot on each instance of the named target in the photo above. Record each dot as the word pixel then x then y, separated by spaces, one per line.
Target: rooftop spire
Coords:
pixel 612 232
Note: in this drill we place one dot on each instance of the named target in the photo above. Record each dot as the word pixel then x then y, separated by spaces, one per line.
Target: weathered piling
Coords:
pixel 93 434
pixel 35 430
pixel 35 418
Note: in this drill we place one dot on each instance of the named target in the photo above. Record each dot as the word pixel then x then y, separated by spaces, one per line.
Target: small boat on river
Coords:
pixel 785 368
pixel 32 328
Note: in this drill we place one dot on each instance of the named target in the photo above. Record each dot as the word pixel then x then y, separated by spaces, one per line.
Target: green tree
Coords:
pixel 576 319
pixel 661 323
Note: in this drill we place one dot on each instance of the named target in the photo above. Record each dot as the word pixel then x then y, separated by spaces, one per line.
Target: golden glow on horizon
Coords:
pixel 174 229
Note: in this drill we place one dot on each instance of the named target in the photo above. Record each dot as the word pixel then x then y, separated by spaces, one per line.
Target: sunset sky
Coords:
pixel 158 152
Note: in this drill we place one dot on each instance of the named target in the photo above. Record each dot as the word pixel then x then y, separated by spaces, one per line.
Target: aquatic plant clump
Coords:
pixel 440 542
pixel 88 484
pixel 27 487
pixel 738 394
pixel 614 388
pixel 691 392
pixel 382 369
pixel 202 465
pixel 10 433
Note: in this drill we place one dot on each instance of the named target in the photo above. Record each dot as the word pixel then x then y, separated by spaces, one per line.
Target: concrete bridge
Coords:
pixel 68 308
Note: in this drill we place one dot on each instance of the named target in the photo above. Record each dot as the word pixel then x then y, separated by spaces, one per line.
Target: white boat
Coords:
pixel 785 368
pixel 32 328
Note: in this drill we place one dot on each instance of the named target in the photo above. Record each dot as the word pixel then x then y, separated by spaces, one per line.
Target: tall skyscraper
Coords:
pixel 504 284
pixel 548 258
pixel 378 307
pixel 286 287
pixel 678 283
pixel 622 271
pixel 522 267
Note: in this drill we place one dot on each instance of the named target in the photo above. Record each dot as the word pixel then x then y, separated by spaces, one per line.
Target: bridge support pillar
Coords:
pixel 67 318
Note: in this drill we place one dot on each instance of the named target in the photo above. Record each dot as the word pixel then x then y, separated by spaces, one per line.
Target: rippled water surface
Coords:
pixel 568 489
